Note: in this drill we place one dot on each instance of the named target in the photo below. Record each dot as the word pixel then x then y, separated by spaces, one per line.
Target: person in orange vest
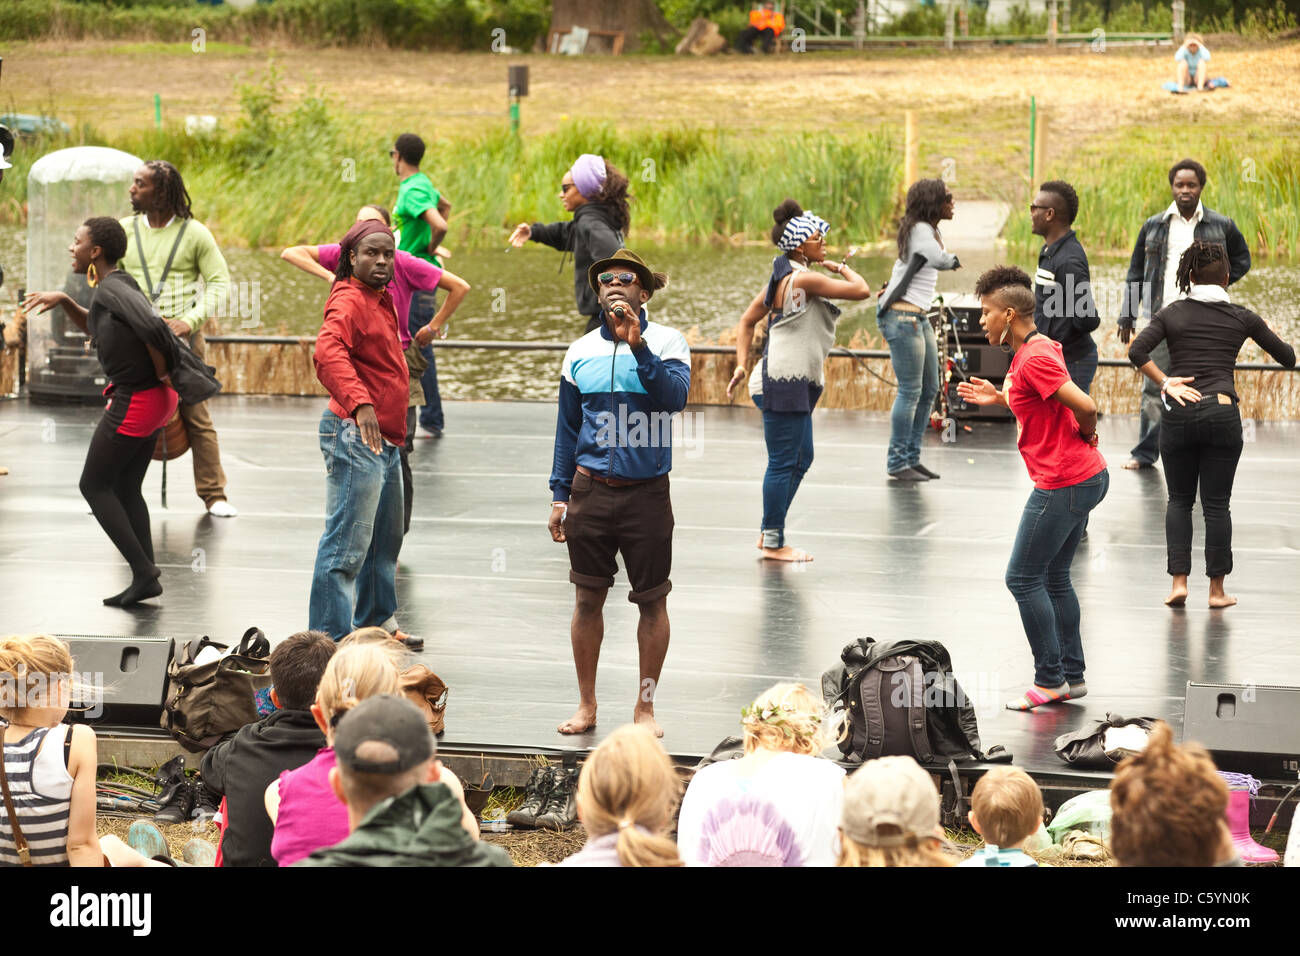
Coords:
pixel 765 22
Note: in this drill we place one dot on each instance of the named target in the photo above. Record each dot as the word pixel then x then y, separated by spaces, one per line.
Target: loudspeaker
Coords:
pixel 1249 728
pixel 122 679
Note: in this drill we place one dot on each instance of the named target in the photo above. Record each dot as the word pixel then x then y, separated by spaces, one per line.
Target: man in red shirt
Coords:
pixel 359 360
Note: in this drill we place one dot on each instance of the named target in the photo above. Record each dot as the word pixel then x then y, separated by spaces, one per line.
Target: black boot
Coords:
pixel 173 793
pixel 562 811
pixel 537 797
pixel 206 802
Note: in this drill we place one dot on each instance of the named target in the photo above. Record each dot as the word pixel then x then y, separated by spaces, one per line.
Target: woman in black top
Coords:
pixel 137 352
pixel 1200 429
pixel 595 191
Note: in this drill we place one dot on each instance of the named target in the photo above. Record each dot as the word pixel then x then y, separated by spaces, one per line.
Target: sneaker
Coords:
pixel 147 840
pixel 909 474
pixel 562 812
pixel 423 431
pixel 925 471
pixel 409 642
pixel 537 795
pixel 222 509
pixel 199 852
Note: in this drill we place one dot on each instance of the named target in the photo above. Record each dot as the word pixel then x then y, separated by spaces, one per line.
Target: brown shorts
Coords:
pixel 636 520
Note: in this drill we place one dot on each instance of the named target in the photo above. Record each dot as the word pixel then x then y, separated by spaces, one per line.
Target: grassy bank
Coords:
pixel 1253 178
pixel 280 177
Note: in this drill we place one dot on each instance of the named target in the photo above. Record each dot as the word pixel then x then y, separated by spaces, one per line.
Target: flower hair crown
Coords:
pixel 774 716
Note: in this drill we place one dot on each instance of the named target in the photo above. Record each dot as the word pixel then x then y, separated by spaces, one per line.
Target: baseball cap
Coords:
pixel 383 734
pixel 889 791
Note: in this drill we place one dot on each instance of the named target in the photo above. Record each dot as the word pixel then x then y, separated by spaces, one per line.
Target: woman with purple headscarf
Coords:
pixel 595 191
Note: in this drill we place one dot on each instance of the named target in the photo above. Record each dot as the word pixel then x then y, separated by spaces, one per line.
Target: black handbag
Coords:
pixel 1086 749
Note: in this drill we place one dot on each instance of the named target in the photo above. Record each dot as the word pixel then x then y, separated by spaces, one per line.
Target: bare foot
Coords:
pixel 1222 600
pixel 786 553
pixel 1178 592
pixel 646 716
pixel 581 722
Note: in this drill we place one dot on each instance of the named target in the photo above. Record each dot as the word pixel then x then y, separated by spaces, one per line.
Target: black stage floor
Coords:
pixel 482 582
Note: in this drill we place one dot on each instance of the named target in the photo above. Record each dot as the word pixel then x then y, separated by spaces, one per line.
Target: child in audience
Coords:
pixel 779 805
pixel 400 811
pixel 306 813
pixel 891 816
pixel 1006 809
pixel 244 763
pixel 48 766
pixel 1167 807
pixel 626 794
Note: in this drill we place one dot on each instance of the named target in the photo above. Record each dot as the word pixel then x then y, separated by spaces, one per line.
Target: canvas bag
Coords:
pixel 206 701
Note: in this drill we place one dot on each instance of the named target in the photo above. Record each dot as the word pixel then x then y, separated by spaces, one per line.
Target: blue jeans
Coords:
pixel 789 438
pixel 915 357
pixel 357 554
pixel 1147 450
pixel 424 306
pixel 1038 575
pixel 1083 370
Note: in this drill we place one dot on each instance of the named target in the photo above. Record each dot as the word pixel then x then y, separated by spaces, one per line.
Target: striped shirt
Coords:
pixel 41 788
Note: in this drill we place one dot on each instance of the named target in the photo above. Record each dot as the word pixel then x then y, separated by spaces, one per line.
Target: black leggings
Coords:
pixel 110 483
pixel 1200 444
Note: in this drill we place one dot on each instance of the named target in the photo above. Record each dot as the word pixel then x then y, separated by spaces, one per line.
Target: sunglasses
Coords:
pixel 565 187
pixel 626 278
pixel 1033 206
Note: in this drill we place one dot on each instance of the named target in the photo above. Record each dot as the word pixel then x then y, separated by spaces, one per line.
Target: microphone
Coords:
pixel 620 312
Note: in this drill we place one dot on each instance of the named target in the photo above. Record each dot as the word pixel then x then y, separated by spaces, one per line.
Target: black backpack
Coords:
pixel 902 699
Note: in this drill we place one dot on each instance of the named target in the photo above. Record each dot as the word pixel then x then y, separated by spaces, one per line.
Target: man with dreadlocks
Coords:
pixel 1160 244
pixel 176 262
pixel 1200 434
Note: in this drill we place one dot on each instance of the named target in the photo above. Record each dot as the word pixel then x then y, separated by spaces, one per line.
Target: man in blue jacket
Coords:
pixel 1160 244
pixel 620 386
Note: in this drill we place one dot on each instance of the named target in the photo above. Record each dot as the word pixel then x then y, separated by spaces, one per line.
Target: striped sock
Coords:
pixel 1037 696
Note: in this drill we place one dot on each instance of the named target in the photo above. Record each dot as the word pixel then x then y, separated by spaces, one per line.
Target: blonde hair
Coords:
pixel 354 673
pixel 628 781
pixel 30 667
pixel 788 717
pixel 914 851
pixel 1008 805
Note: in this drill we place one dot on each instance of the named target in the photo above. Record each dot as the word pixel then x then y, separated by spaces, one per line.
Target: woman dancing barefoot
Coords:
pixel 1200 430
pixel 1057 437
pixel 137 352
pixel 788 382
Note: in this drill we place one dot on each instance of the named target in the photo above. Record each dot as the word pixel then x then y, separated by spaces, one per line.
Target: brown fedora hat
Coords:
pixel 650 281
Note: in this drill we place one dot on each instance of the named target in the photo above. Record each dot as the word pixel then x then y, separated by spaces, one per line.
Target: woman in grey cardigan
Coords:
pixel 787 383
pixel 901 315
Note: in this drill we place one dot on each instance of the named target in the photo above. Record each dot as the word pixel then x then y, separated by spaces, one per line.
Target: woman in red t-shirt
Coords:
pixel 1056 425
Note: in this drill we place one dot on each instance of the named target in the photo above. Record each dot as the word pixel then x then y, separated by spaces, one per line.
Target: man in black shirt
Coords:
pixel 1064 309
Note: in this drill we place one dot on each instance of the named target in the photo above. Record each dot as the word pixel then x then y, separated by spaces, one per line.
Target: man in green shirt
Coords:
pixel 419 219
pixel 177 264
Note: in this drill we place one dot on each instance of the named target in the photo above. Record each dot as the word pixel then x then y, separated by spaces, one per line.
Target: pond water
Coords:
pixel 526 295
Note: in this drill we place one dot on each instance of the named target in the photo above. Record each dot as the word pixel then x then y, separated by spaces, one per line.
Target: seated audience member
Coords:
pixel 779 805
pixel 243 763
pixel 306 813
pixel 1167 807
pixel 765 24
pixel 1191 63
pixel 626 794
pixel 400 813
pixel 891 816
pixel 48 766
pixel 1006 809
